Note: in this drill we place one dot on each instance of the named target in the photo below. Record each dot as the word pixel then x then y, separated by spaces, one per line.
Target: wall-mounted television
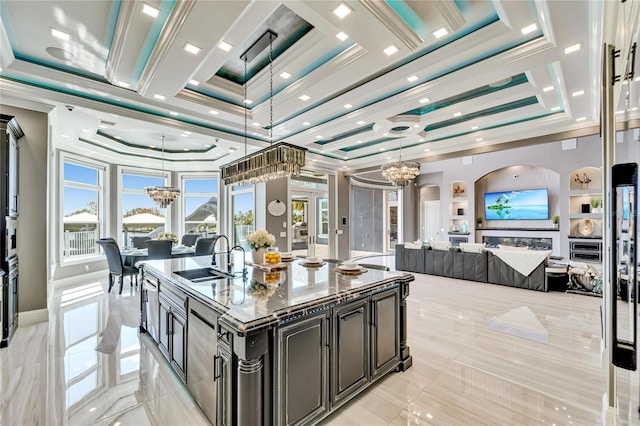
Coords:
pixel 522 204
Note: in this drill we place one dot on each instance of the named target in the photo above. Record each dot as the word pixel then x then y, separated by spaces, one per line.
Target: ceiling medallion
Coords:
pixel 277 160
pixel 162 195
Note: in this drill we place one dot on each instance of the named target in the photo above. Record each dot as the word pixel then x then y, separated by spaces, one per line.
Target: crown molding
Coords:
pixel 125 20
pixel 176 19
pixel 390 19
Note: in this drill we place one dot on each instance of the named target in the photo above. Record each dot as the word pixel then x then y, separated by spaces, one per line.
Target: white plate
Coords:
pixel 350 268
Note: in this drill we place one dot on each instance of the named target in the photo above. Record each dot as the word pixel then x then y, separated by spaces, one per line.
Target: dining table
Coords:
pixel 130 256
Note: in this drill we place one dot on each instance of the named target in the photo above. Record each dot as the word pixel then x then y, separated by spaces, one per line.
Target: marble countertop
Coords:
pixel 247 303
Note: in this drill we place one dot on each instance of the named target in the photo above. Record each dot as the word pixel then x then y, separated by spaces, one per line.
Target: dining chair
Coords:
pixel 159 249
pixel 116 266
pixel 374 266
pixel 189 239
pixel 139 242
pixel 204 246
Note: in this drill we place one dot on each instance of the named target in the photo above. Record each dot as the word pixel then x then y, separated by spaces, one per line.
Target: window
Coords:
pixel 82 206
pixel 242 211
pixel 199 205
pixel 141 216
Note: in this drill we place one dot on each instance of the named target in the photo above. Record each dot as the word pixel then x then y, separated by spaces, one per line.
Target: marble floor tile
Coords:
pixel 482 354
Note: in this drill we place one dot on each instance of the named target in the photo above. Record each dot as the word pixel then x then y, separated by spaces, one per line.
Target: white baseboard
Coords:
pixel 33 317
pixel 88 276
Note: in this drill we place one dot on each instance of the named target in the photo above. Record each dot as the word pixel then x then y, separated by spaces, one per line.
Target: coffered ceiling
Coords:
pixel 352 81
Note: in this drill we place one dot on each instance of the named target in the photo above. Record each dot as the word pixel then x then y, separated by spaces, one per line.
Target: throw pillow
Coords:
pixel 440 245
pixel 472 247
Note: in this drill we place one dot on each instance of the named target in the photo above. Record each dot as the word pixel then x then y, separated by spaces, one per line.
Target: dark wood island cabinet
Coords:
pixel 281 348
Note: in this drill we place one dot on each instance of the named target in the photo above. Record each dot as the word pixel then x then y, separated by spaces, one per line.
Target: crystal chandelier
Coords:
pixel 401 172
pixel 162 195
pixel 277 160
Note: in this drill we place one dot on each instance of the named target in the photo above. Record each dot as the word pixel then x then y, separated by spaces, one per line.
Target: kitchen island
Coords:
pixel 274 348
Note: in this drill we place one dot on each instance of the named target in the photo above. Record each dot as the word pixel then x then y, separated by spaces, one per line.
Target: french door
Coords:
pixel 310 219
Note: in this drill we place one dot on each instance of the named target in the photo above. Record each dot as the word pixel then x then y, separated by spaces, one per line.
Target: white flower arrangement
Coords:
pixel 261 238
pixel 168 236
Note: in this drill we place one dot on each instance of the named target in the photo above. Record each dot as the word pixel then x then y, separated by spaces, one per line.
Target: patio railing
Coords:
pixel 79 243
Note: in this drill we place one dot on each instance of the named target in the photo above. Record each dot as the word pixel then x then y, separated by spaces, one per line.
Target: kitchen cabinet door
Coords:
pixel 385 332
pixel 349 349
pixel 178 336
pixel 201 359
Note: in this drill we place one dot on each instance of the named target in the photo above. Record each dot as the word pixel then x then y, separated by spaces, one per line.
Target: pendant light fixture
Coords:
pixel 400 173
pixel 276 161
pixel 162 195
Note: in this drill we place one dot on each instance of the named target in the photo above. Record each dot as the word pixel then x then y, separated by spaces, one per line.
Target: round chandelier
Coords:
pixel 162 195
pixel 400 173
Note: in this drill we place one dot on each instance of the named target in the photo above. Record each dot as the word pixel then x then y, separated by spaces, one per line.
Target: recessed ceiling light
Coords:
pixel 342 11
pixel 412 78
pixel 285 75
pixel 255 124
pixel 207 146
pixel 86 130
pixel 572 49
pixel 581 118
pixel 342 36
pixel 388 158
pixel 421 140
pixel 478 139
pixel 548 88
pixel 184 135
pixel 416 125
pixel 361 122
pixel 213 112
pixel 123 84
pixel 475 127
pixel 390 50
pixel 457 114
pixel 248 101
pixel 556 108
pixel 578 93
pixel 318 137
pixel 192 48
pixel 160 97
pixel 186 132
pixel 304 97
pixel 225 46
pixel 440 33
pixel 424 100
pixel 150 10
pixel 173 113
pixel 382 149
pixel 152 146
pixel 634 109
pixel 344 167
pixel 529 29
pixel 358 141
pixel 60 34
pixel 103 126
pixel 306 123
pixel 66 136
pixel 194 82
pixel 347 106
pixel 427 150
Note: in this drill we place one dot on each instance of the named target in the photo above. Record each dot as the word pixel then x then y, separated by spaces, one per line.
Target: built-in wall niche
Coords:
pixel 459 207
pixel 585 202
pixel 515 178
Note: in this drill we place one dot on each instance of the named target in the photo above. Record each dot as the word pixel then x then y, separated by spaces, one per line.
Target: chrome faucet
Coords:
pixel 213 255
pixel 244 265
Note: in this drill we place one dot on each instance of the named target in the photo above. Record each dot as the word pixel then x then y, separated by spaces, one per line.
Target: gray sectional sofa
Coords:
pixel 483 267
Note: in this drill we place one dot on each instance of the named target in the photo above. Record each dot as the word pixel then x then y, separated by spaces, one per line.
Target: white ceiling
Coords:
pixel 484 68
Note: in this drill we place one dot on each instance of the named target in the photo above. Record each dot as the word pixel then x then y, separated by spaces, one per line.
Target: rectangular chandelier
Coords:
pixel 276 161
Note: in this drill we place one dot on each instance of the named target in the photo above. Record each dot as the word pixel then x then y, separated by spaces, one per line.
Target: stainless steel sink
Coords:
pixel 201 274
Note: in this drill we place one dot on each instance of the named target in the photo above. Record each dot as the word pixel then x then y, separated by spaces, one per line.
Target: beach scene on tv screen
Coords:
pixel 529 204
